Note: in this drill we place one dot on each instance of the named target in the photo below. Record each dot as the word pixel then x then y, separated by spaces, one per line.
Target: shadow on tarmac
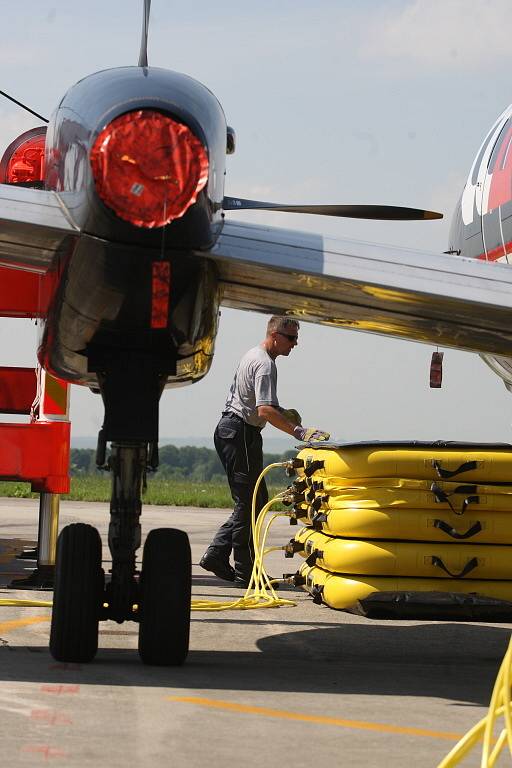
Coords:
pixel 452 661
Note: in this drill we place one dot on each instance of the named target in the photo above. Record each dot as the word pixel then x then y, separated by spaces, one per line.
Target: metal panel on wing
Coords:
pixel 395 291
pixel 34 228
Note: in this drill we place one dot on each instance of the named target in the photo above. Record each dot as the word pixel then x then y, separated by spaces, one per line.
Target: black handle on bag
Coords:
pixel 469 500
pixel 441 496
pixel 317 520
pixel 465 489
pixel 446 528
pixel 313 557
pixel 312 466
pixel 446 473
pixel 470 566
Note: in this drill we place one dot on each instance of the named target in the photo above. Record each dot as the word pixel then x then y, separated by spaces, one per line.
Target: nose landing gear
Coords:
pixel 160 600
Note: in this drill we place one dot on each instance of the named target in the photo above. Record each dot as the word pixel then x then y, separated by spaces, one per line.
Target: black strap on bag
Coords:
pixel 469 500
pixel 470 566
pixel 446 528
pixel 313 557
pixel 292 547
pixel 465 489
pixel 317 520
pixel 299 513
pixel 442 496
pixel 446 473
pixel 316 594
pixel 312 466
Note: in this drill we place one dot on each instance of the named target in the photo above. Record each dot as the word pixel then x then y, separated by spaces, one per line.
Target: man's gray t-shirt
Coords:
pixel 255 384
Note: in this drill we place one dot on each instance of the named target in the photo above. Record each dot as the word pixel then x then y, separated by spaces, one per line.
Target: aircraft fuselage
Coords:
pixel 482 223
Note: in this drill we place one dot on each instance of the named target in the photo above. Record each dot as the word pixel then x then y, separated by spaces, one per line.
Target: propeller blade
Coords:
pixel 143 55
pixel 382 212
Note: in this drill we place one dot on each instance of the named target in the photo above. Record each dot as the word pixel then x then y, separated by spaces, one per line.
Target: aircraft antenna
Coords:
pixel 11 98
pixel 143 56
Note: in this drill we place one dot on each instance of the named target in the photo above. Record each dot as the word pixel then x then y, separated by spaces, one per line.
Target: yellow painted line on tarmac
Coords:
pixel 9 626
pixel 337 721
pixel 14 601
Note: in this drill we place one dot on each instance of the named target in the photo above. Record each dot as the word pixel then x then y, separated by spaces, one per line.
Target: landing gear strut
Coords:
pixel 127 463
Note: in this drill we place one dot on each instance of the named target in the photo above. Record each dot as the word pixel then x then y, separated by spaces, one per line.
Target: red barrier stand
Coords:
pixel 36 452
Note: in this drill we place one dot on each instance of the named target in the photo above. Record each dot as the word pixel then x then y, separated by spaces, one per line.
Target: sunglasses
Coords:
pixel 288 336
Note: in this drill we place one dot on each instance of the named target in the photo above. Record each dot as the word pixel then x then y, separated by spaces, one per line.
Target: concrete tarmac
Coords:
pixel 277 688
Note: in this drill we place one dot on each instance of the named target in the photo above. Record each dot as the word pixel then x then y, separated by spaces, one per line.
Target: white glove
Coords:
pixel 310 434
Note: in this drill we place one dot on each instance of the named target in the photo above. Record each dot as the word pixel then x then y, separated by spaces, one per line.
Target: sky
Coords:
pixel 335 101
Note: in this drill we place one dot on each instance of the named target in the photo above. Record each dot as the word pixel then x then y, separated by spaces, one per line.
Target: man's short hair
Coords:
pixel 282 323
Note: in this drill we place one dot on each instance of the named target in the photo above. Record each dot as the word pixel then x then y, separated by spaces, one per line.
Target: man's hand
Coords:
pixel 310 434
pixel 292 415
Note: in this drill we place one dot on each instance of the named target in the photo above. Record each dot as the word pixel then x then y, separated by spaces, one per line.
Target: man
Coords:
pixel 251 403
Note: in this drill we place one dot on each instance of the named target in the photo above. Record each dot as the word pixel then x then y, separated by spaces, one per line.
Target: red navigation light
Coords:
pixel 23 160
pixel 148 167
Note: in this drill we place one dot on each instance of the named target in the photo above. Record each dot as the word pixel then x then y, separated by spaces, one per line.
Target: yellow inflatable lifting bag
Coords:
pixel 335 485
pixel 395 558
pixel 417 525
pixel 342 592
pixel 377 498
pixel 475 464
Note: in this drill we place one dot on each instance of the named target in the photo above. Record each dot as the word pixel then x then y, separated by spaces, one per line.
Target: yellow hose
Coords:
pixel 501 704
pixel 259 594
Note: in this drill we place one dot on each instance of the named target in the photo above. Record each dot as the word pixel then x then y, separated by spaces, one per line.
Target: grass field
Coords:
pixel 180 493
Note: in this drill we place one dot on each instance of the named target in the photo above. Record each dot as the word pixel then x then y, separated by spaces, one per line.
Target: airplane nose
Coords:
pixel 148 168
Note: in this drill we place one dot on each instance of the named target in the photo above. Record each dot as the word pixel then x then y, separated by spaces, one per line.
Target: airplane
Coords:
pixel 119 205
pixel 482 223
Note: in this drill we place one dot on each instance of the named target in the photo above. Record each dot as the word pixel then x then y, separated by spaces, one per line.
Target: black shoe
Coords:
pixel 244 581
pixel 221 568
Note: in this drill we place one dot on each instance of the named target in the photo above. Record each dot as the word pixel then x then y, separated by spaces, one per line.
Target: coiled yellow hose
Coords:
pixel 259 593
pixel 501 704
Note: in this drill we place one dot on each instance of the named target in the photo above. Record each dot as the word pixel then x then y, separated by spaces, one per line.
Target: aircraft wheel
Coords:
pixel 165 591
pixel 78 592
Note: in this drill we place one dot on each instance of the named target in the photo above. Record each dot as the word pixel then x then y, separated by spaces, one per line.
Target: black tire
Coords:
pixel 165 591
pixel 77 596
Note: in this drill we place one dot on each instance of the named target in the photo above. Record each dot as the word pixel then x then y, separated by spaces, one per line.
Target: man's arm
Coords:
pixel 275 417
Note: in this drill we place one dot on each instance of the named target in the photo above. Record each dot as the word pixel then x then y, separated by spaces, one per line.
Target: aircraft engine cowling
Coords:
pixel 133 150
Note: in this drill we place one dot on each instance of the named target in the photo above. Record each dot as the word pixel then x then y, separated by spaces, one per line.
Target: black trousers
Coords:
pixel 239 446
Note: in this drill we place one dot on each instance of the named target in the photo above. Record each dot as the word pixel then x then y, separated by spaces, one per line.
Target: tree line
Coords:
pixel 186 463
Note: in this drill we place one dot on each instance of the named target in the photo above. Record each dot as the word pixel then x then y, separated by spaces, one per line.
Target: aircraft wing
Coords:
pixel 429 297
pixel 34 227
